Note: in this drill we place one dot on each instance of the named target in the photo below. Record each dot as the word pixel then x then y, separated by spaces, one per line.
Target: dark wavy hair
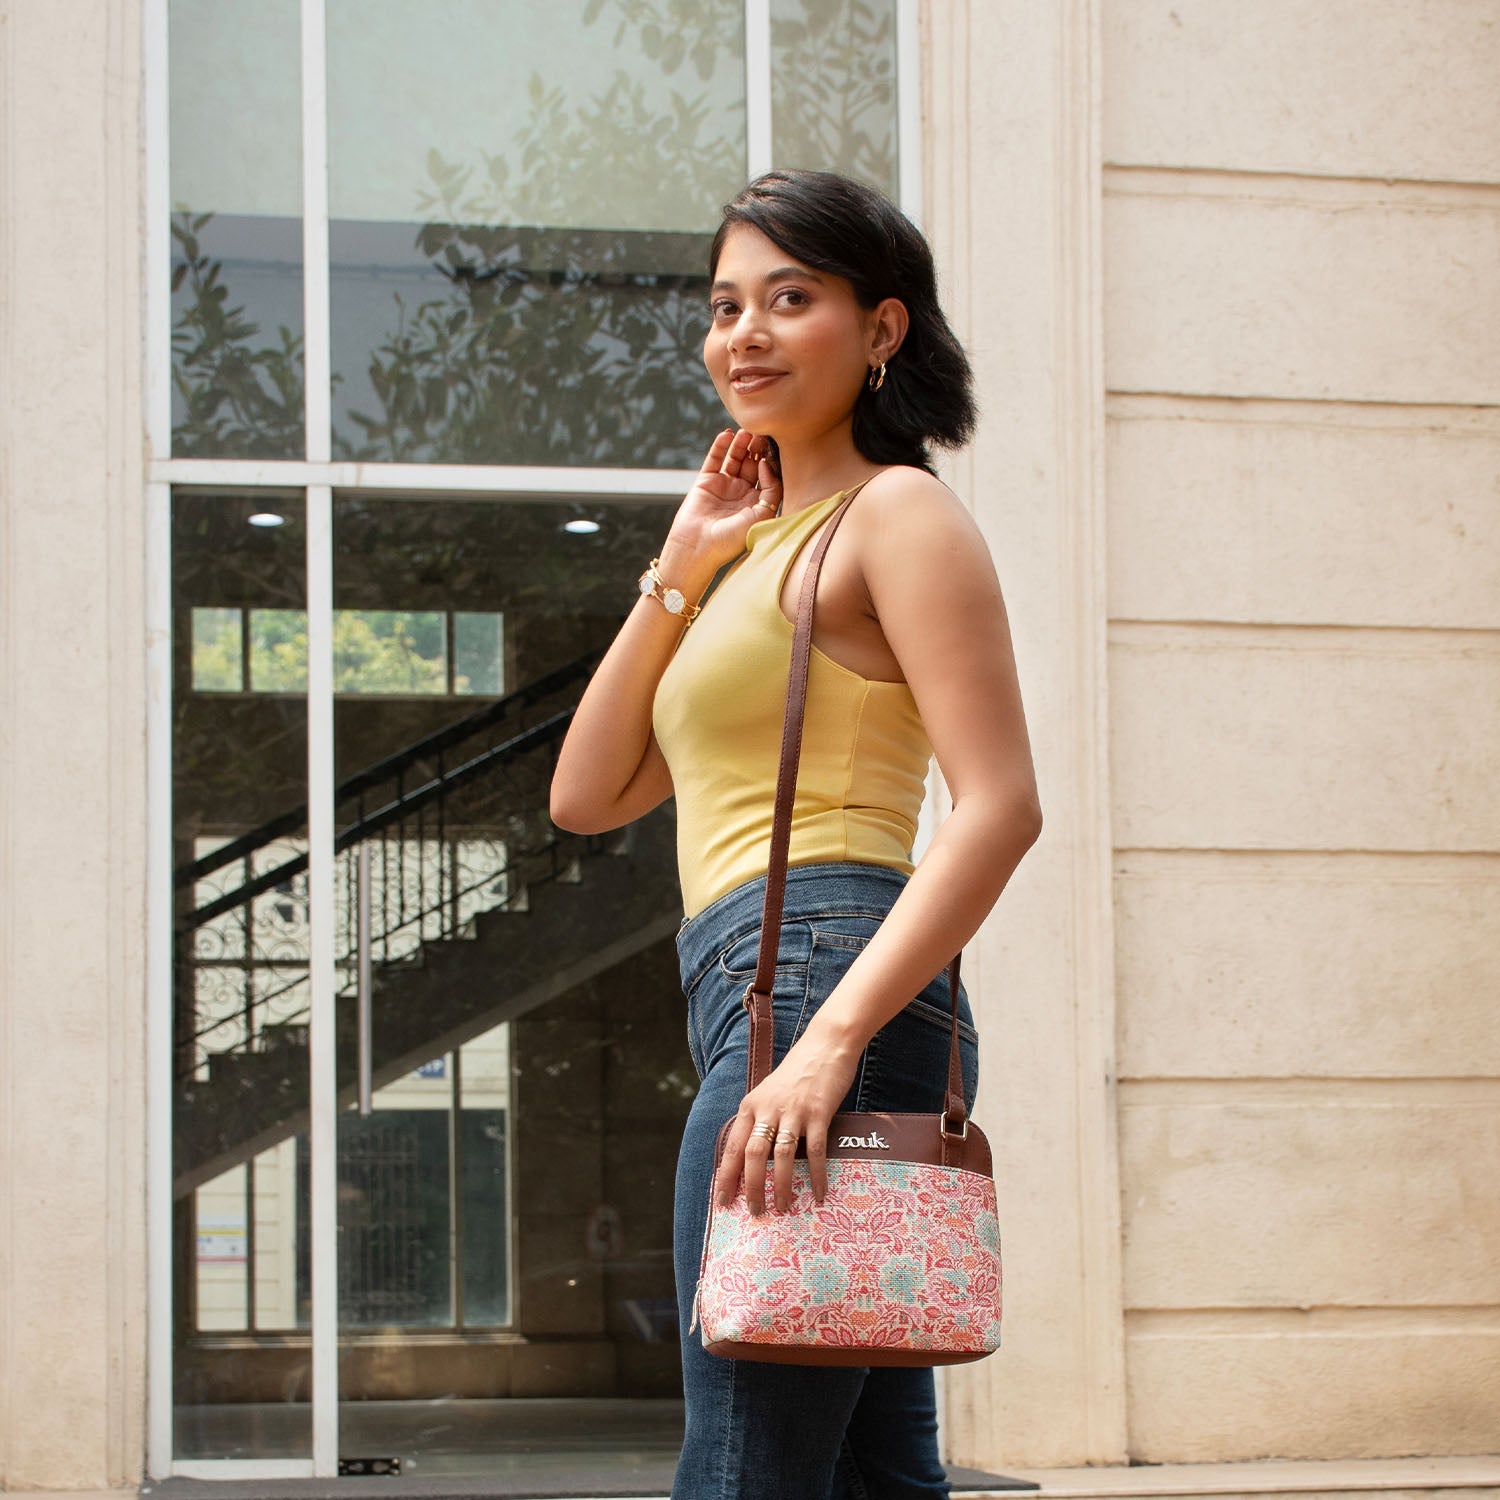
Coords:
pixel 835 224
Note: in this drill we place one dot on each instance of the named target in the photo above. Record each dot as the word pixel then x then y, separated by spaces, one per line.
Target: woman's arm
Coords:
pixel 610 769
pixel 933 587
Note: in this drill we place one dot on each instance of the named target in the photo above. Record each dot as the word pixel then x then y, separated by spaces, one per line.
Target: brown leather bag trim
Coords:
pixel 907 1137
pixel 828 1354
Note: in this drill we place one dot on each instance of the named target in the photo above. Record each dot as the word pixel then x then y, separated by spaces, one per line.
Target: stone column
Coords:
pixel 1013 199
pixel 72 742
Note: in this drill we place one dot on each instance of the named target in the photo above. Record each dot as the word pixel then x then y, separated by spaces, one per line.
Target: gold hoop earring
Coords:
pixel 877 376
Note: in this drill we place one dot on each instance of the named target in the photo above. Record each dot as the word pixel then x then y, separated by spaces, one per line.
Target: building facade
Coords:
pixel 347 381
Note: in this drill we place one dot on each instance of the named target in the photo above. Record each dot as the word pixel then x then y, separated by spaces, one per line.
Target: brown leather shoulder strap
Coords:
pixel 758 995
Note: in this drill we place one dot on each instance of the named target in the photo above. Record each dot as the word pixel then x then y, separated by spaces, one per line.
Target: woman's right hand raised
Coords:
pixel 610 770
pixel 736 487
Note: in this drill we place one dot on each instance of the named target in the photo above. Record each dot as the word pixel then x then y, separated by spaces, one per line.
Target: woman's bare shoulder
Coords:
pixel 902 503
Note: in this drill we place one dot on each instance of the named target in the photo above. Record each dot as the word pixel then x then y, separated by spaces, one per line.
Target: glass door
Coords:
pixel 241 1005
pixel 509 1069
pixel 425 385
pixel 512 1068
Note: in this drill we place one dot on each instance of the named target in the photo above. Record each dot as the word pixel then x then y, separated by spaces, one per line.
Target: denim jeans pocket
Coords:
pixel 716 999
pixel 939 1014
pixel 738 959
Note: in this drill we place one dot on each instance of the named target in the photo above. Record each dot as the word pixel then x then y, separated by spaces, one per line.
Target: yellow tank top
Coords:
pixel 718 714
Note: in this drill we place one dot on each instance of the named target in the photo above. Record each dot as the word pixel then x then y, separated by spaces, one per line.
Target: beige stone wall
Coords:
pixel 1012 187
pixel 1302 353
pixel 72 747
pixel 1265 239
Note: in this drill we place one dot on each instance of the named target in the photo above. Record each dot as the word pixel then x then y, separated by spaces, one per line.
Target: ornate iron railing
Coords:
pixel 457 824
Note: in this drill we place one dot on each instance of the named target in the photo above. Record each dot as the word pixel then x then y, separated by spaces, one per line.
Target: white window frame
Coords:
pixel 318 477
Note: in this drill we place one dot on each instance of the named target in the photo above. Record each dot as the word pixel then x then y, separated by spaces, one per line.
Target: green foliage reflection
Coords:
pixel 833 70
pixel 242 397
pixel 374 651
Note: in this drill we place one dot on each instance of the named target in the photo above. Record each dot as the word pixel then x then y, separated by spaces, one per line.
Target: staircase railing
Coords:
pixel 459 825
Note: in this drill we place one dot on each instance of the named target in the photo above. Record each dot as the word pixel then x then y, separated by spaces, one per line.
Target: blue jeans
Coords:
pixel 800 1432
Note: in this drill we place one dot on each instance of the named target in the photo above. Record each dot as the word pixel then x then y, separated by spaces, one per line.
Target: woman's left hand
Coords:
pixel 798 1099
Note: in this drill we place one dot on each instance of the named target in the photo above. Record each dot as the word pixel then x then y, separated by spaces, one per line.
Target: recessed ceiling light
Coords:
pixel 581 527
pixel 267 518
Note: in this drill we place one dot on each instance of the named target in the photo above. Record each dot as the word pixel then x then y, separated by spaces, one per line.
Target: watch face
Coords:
pixel 673 601
pixel 646 584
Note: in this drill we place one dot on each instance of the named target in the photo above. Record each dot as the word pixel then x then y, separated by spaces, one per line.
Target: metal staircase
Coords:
pixel 480 910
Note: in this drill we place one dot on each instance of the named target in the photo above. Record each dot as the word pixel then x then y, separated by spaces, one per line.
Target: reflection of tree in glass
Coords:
pixel 570 344
pixel 242 398
pixel 671 31
pixel 678 153
pixel 833 69
pixel 833 73
pixel 564 345
pixel 554 346
pixel 557 345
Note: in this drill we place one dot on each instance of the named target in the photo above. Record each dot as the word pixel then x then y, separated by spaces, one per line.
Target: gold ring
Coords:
pixel 766 1132
pixel 786 1135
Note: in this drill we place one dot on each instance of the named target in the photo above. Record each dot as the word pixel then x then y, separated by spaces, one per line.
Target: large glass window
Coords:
pixel 519 199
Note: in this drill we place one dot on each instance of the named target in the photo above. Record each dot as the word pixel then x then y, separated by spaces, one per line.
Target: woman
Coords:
pixel 828 348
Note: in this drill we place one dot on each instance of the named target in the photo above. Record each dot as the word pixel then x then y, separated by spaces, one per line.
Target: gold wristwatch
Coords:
pixel 674 601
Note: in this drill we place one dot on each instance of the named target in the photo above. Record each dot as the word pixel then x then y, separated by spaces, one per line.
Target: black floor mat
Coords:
pixel 575 1479
pixel 549 1449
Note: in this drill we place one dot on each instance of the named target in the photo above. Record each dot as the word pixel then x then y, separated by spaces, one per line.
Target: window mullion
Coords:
pixel 317 409
pixel 322 985
pixel 317 334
